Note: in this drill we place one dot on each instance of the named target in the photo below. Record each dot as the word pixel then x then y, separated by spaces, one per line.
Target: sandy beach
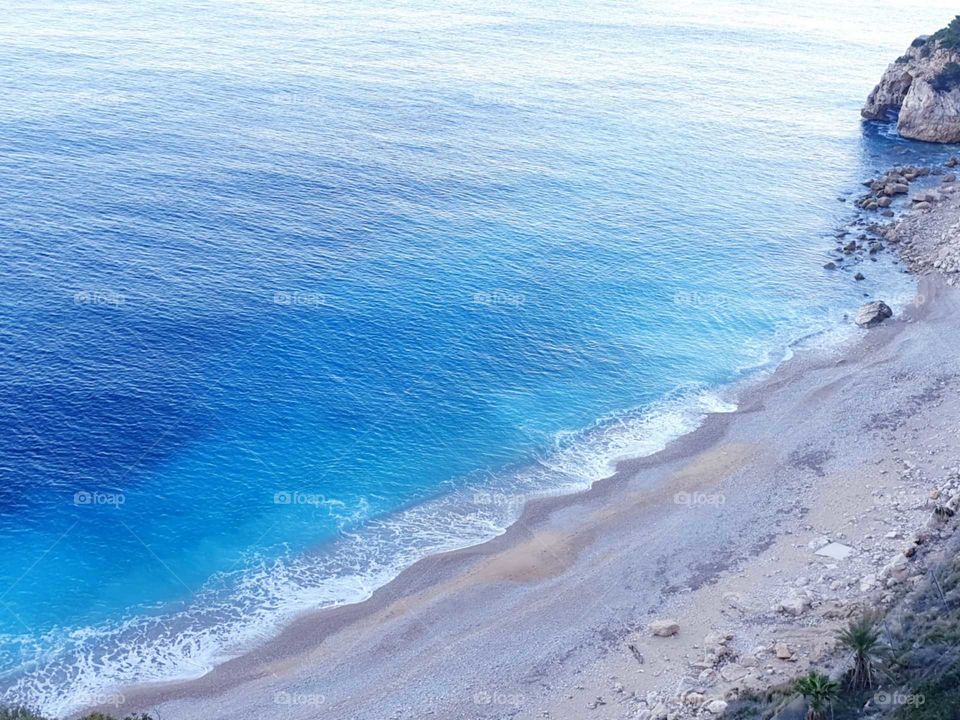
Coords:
pixel 717 533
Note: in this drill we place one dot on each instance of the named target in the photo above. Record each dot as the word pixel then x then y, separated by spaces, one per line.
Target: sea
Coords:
pixel 296 293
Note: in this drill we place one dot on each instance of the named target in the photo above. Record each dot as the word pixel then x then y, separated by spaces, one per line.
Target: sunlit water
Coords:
pixel 294 294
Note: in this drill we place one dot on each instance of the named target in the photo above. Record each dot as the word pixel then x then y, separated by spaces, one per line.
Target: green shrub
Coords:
pixel 820 692
pixel 949 37
pixel 862 638
pixel 22 713
pixel 947 79
pixel 19 713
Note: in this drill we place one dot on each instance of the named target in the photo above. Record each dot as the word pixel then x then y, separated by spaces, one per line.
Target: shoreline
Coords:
pixel 549 546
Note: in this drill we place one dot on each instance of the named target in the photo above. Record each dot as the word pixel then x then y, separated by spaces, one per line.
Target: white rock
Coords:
pixel 794 605
pixel 664 628
pixel 716 707
pixel 836 551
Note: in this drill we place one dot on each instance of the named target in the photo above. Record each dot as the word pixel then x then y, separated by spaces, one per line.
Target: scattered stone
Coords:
pixel 950 177
pixel 782 651
pixel 859 276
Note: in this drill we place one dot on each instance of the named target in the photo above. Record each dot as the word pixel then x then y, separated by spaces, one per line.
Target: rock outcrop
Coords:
pixel 923 86
pixel 873 314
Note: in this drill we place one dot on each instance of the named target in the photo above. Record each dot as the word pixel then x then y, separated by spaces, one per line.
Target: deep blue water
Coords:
pixel 294 294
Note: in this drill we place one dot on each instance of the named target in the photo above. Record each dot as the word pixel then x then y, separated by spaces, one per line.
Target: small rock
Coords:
pixel 664 628
pixel 859 276
pixel 794 605
pixel 782 651
pixel 716 707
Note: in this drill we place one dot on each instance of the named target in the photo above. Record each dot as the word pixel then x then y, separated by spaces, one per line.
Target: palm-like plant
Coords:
pixel 862 638
pixel 819 691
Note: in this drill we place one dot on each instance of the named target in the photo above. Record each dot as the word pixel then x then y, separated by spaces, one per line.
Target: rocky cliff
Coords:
pixel 924 87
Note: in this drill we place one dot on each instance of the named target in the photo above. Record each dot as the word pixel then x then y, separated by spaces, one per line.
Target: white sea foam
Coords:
pixel 235 611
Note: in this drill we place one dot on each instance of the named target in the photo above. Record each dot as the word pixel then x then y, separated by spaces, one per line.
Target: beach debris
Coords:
pixel 873 313
pixel 664 627
pixel 836 551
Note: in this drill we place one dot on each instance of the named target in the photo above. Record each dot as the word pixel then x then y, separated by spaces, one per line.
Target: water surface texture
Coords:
pixel 293 294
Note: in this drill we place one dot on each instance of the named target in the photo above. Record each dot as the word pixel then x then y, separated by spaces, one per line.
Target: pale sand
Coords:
pixel 538 622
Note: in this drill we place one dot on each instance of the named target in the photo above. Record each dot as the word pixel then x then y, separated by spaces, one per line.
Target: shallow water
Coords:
pixel 293 294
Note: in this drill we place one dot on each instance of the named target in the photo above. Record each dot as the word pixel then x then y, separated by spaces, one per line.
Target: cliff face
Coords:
pixel 924 86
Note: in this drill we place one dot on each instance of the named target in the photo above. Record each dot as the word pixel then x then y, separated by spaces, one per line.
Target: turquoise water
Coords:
pixel 294 294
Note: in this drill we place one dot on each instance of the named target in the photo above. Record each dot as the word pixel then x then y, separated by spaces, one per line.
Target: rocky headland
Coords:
pixel 922 89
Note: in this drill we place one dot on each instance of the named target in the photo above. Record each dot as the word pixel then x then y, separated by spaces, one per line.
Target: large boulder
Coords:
pixel 873 314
